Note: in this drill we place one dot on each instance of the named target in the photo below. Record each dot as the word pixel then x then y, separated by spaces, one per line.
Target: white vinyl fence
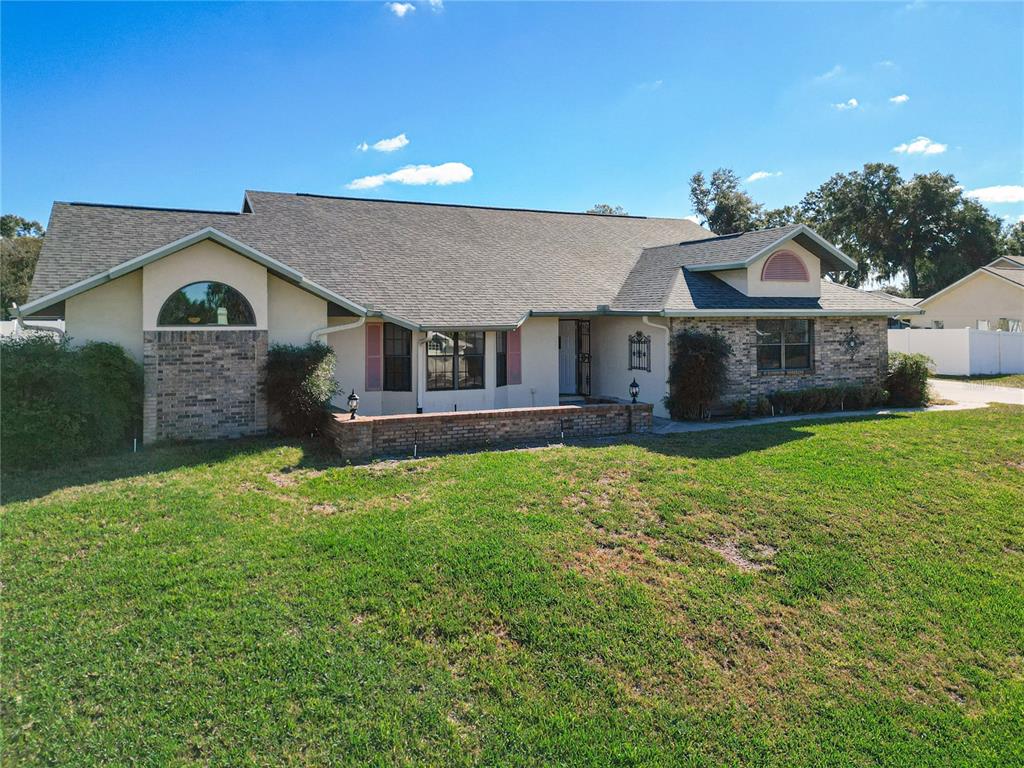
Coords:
pixel 963 351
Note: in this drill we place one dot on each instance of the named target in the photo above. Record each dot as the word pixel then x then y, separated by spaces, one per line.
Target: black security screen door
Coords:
pixel 583 357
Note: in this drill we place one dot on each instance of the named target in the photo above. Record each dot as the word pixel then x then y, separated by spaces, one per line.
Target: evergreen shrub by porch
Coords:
pixel 907 379
pixel 59 403
pixel 850 397
pixel 300 385
pixel 697 374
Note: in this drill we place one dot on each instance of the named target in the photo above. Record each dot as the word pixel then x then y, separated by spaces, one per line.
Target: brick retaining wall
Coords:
pixel 367 437
pixel 203 385
pixel 834 362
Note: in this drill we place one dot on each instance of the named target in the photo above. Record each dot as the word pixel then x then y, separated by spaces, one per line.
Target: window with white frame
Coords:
pixel 784 345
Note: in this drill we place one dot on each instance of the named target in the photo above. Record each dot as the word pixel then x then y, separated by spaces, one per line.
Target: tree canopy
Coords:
pixel 604 209
pixel 21 242
pixel 922 230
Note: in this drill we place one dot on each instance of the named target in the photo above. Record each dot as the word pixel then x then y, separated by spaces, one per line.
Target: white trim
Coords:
pixel 206 233
pixel 785 312
pixel 976 273
pixel 801 229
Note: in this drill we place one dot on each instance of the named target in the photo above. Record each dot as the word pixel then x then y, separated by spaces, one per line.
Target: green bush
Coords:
pixel 907 379
pixel 300 385
pixel 61 403
pixel 849 397
pixel 764 407
pixel 697 374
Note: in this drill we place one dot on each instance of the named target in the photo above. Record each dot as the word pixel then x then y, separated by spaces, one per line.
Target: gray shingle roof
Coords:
pixel 434 265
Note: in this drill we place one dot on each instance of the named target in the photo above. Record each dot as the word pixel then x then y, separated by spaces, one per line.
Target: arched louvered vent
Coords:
pixel 785 265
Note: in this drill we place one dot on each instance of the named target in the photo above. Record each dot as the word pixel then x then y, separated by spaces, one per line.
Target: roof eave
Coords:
pixel 206 233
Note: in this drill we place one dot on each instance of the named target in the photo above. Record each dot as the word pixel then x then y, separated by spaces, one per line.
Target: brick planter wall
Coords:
pixel 202 385
pixel 367 437
pixel 833 363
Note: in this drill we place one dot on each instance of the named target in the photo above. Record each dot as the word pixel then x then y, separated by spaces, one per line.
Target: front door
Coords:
pixel 583 357
pixel 567 357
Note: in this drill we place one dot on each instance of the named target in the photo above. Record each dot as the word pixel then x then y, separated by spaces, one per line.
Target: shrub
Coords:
pixel 848 397
pixel 300 385
pixel 61 403
pixel 764 407
pixel 697 373
pixel 740 409
pixel 907 379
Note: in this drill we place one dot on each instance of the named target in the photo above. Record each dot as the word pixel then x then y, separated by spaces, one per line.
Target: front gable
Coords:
pixel 786 270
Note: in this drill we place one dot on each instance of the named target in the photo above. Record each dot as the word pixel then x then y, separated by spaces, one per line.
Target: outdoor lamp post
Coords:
pixel 634 390
pixel 353 404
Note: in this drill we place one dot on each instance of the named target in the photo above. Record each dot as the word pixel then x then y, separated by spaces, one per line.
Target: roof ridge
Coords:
pixel 738 234
pixel 148 208
pixel 461 205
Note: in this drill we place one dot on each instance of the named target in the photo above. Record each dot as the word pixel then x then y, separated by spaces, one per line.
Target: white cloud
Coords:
pixel 922 145
pixel 362 146
pixel 1005 193
pixel 653 85
pixel 886 64
pixel 417 175
pixel 833 73
pixel 390 145
pixel 901 99
pixel 693 218
pixel 845 105
pixel 758 175
pixel 437 5
pixel 400 9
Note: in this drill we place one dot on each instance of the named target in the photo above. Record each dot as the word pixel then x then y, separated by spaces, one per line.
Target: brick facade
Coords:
pixel 367 437
pixel 203 384
pixel 834 360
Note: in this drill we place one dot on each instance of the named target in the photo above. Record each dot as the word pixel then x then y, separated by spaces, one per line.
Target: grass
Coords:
pixel 835 592
pixel 1015 380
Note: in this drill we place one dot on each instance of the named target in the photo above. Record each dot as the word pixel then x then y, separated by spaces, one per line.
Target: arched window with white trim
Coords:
pixel 206 303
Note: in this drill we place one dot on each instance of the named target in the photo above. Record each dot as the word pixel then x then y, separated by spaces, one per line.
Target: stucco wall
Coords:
pixel 203 261
pixel 983 297
pixel 609 373
pixel 292 312
pixel 111 312
pixel 539 366
pixel 749 280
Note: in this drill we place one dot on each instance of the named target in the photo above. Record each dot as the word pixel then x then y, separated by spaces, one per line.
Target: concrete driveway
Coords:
pixel 969 392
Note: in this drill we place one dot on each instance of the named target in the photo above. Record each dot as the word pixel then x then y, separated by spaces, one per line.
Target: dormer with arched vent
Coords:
pixel 783 269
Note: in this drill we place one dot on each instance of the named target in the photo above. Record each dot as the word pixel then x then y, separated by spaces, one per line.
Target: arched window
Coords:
pixel 206 303
pixel 785 265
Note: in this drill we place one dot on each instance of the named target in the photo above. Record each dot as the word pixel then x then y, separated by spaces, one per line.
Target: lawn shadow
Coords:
pixel 735 441
pixel 26 484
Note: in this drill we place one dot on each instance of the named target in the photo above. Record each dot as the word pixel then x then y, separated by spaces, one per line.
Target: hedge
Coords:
pixel 907 379
pixel 697 373
pixel 61 402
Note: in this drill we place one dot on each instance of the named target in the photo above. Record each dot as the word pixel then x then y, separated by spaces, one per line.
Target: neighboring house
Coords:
pixel 989 299
pixel 441 307
pixel 899 320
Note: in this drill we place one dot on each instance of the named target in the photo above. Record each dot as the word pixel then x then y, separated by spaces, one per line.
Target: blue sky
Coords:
pixel 531 104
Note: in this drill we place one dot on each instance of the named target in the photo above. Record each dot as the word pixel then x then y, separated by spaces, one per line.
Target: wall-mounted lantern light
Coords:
pixel 353 404
pixel 634 390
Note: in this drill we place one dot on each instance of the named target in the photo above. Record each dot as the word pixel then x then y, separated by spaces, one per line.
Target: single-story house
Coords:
pixel 991 298
pixel 436 308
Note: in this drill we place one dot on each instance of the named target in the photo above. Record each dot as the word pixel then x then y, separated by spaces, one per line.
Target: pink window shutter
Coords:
pixel 374 357
pixel 515 357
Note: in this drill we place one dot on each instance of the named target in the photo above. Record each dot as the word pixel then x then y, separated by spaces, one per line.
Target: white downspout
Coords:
pixel 26 327
pixel 319 333
pixel 668 335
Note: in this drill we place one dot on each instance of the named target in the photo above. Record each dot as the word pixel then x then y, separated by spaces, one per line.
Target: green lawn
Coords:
pixel 997 379
pixel 844 593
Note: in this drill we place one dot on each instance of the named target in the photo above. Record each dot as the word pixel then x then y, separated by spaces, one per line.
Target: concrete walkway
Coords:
pixel 668 427
pixel 970 392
